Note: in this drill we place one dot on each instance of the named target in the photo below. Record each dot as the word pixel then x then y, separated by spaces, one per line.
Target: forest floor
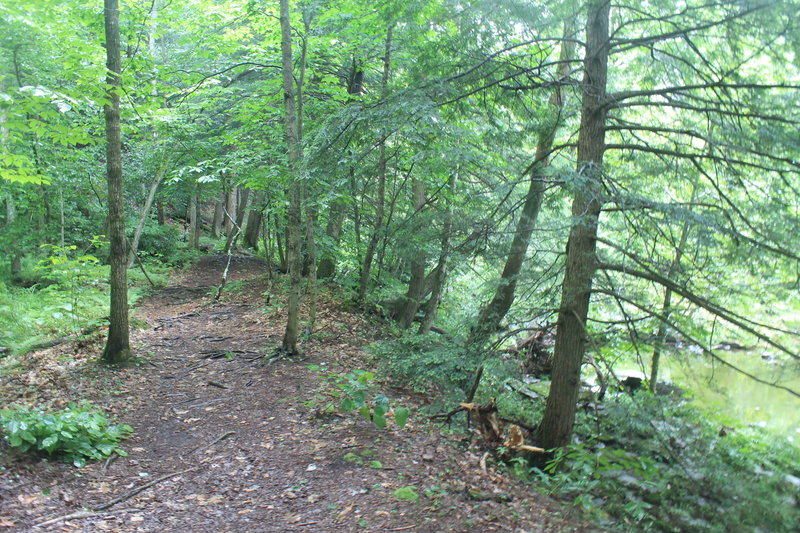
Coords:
pixel 225 442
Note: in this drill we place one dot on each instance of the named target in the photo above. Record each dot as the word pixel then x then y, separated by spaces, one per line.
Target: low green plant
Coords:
pixel 427 363
pixel 72 274
pixel 76 434
pixel 356 391
pixel 644 463
pixel 408 493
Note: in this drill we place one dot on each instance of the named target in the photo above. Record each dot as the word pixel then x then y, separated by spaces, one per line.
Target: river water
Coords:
pixel 736 396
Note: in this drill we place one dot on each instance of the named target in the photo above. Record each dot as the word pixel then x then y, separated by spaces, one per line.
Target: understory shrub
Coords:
pixel 75 434
pixel 426 363
pixel 647 463
pixel 355 391
pixel 163 243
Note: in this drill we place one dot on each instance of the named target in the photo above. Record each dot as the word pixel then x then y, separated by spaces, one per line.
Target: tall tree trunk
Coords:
pixel 15 254
pixel 194 218
pixel 555 429
pixel 440 275
pixel 666 305
pixel 231 202
pixel 161 215
pixel 148 203
pixel 493 313
pixel 416 285
pixel 230 242
pixel 380 199
pixel 280 245
pixel 294 252
pixel 327 263
pixel 219 216
pixel 254 216
pixel 117 349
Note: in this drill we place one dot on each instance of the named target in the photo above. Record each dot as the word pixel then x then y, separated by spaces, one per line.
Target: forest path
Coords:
pixel 229 444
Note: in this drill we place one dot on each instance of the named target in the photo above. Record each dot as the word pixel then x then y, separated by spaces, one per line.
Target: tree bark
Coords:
pixel 327 262
pixel 440 276
pixel 294 252
pixel 160 214
pixel 230 207
pixel 137 234
pixel 117 349
pixel 194 219
pixel 493 313
pixel 236 224
pixel 416 285
pixel 254 216
pixel 555 430
pixel 219 215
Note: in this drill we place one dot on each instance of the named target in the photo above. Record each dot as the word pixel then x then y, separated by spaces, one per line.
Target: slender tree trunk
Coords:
pixel 441 268
pixel 117 349
pixel 148 203
pixel 194 218
pixel 311 257
pixel 254 217
pixel 327 263
pixel 230 242
pixel 493 313
pixel 230 208
pixel 14 253
pixel 283 265
pixel 555 429
pixel 356 211
pixel 666 306
pixel 161 216
pixel 294 252
pixel 380 199
pixel 416 285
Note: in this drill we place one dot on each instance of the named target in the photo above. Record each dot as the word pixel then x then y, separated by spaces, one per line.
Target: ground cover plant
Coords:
pixel 76 434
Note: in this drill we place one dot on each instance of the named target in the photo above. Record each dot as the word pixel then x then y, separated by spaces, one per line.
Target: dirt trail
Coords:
pixel 232 446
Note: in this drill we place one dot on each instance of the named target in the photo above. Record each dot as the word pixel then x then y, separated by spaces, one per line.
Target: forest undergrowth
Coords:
pixel 225 438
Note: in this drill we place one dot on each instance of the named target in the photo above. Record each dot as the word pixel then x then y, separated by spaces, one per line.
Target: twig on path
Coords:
pixel 134 492
pixel 307 523
pixel 402 528
pixel 179 317
pixel 78 515
pixel 218 439
pixel 191 369
pixel 111 458
pixel 203 404
pixel 217 384
pixel 83 334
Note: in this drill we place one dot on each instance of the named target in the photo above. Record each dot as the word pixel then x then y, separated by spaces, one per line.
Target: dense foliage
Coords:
pixel 75 434
pixel 540 184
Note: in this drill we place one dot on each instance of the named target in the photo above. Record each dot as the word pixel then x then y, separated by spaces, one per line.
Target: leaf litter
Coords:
pixel 249 455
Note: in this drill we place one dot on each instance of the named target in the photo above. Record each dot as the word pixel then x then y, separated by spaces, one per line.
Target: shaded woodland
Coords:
pixel 527 196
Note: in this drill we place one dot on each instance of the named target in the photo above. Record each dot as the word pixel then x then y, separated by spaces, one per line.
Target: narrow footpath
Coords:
pixel 224 441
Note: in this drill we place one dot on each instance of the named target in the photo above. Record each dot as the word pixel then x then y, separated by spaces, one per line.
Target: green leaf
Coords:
pixel 401 415
pixel 379 419
pixel 49 443
pixel 364 411
pixel 348 404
